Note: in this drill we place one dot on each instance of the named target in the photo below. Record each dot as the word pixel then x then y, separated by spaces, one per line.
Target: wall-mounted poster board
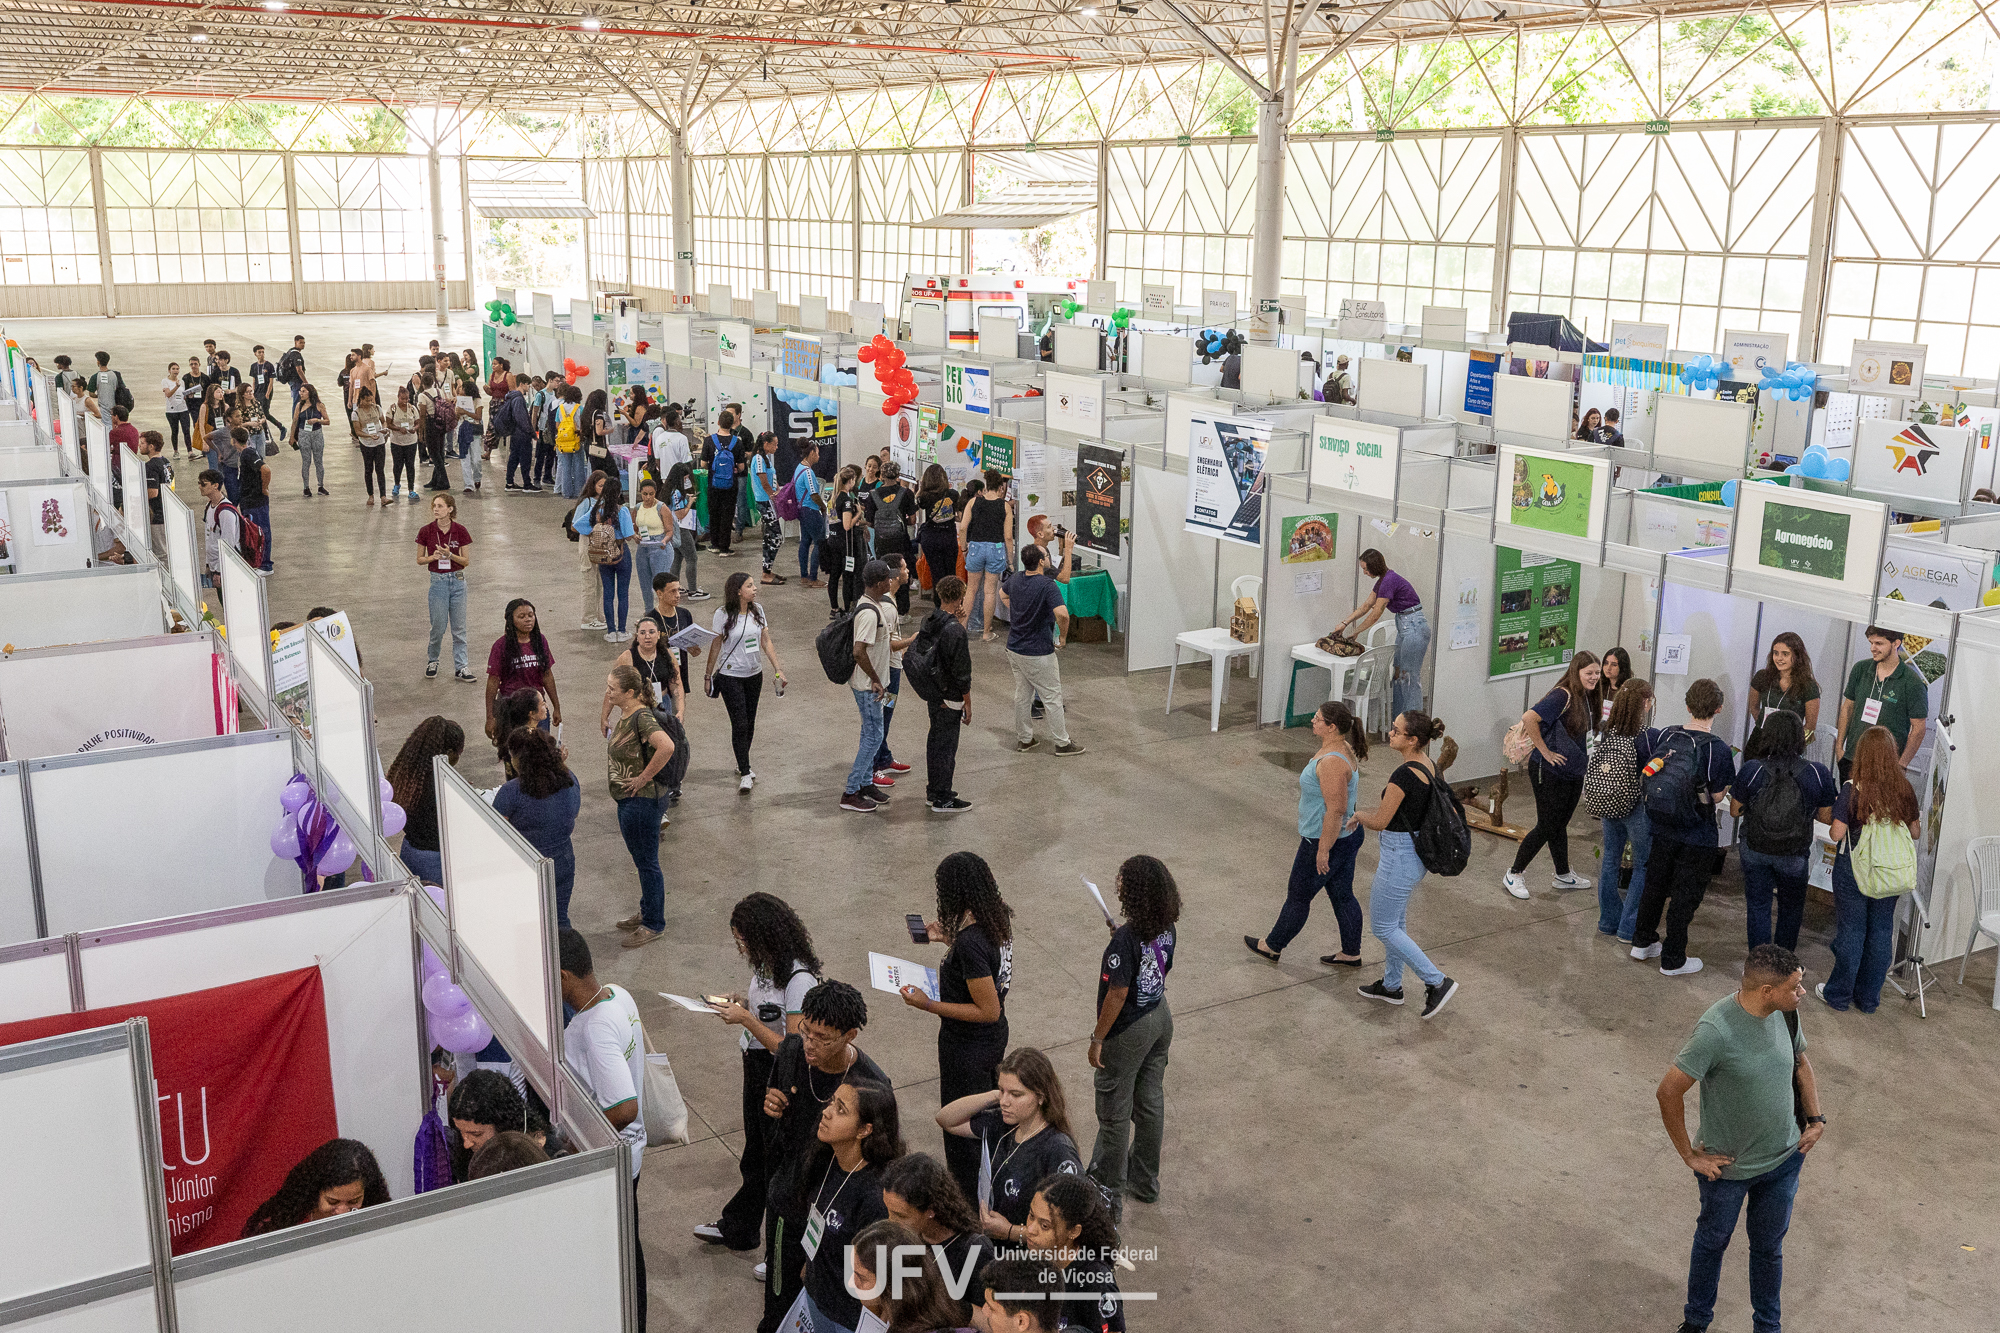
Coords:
pixel 1225 491
pixel 763 307
pixel 1156 301
pixel 1748 351
pixel 1525 405
pixel 1353 457
pixel 927 322
pixel 1362 320
pixel 1270 372
pixel 1100 499
pixel 968 388
pixel 1887 370
pixel 812 312
pixel 1910 458
pixel 1639 341
pixel 1568 494
pixel 1075 403
pixel 1807 545
pixel 1534 612
pixel 721 301
pixel 732 341
pixel 1444 323
pixel 1481 369
pixel 1078 347
pixel 864 318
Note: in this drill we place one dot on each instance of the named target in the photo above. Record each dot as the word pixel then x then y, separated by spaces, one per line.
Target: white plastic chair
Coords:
pixel 1367 682
pixel 1381 634
pixel 1982 856
pixel 1248 585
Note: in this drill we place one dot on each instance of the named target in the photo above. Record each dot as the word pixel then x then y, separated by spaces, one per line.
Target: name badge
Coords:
pixel 1871 711
pixel 815 1229
pixel 1607 710
pixel 850 564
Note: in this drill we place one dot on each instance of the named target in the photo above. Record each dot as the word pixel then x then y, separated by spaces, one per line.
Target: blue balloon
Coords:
pixel 1838 470
pixel 1815 464
pixel 1729 494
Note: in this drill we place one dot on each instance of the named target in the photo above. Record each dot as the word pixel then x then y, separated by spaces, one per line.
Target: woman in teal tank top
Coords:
pixel 1327 844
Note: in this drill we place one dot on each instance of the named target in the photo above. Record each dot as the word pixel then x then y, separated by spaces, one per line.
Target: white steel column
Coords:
pixel 583 192
pixel 465 220
pixel 683 194
pixel 1268 236
pixel 1819 241
pixel 103 232
pixel 854 180
pixel 965 193
pixel 1503 235
pixel 437 231
pixel 1104 211
pixel 625 193
pixel 292 236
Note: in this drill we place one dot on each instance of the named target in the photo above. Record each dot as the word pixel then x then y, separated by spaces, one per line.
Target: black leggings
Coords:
pixel 371 468
pixel 739 696
pixel 1555 802
pixel 843 588
pixel 967 1065
pixel 406 461
pixel 180 426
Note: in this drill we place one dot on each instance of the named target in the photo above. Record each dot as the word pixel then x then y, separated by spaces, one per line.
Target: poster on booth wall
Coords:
pixel 1749 352
pixel 1534 612
pixel 1225 495
pixel 1639 342
pixel 968 388
pixel 1479 372
pixel 996 452
pixel 1949 578
pixel 245 1090
pixel 1931 795
pixel 1910 458
pixel 511 341
pixel 1355 456
pixel 1100 499
pixel 1887 370
pixel 798 417
pixel 1156 302
pixel 1554 492
pixel 1075 403
pixel 1362 320
pixel 733 343
pixel 1307 539
pixel 52 517
pixel 289 683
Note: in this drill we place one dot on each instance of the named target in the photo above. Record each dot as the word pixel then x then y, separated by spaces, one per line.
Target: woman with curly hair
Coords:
pixel 337 1177
pixel 919 1193
pixel 905 1301
pixel 976 925
pixel 1070 1223
pixel 783 967
pixel 1128 1048
pixel 410 776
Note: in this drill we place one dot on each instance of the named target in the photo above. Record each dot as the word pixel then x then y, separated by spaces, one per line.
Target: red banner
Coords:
pixel 245 1090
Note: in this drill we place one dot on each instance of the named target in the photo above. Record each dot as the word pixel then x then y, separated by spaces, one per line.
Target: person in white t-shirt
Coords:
pixel 734 671
pixel 605 1047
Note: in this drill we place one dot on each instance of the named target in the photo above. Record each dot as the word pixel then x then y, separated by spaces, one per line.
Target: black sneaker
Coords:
pixel 950 805
pixel 309 494
pixel 512 486
pixel 1686 1327
pixel 322 490
pixel 1437 997
pixel 431 671
pixel 1375 990
pixel 1038 710
pixel 463 675
pixel 532 490
pixel 1022 747
pixel 1068 748
pixel 856 803
pixel 698 595
pixel 875 794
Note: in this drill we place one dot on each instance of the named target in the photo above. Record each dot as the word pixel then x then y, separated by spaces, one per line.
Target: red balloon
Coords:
pixel 891 407
pixel 866 353
pixel 880 340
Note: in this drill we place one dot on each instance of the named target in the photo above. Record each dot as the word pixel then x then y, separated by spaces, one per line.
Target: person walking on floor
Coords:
pixel 606 530
pixel 976 925
pixel 1877 807
pixel 986 529
pixel 1690 767
pixel 253 489
pixel 1328 844
pixel 1038 620
pixel 872 629
pixel 680 500
pixel 725 458
pixel 887 767
pixel 513 426
pixel 1395 594
pixel 653 524
pixel 444 548
pixel 1134 1032
pixel 520 659
pixel 938 667
pixel 734 672
pixel 783 968
pixel 764 494
pixel 581 520
pixel 1398 870
pixel 404 420
pixel 371 440
pixel 1749 1056
pixel 812 515
pixel 309 422
pixel 637 749
pixel 180 425
pixel 1558 726
pixel 1615 792
pixel 1777 796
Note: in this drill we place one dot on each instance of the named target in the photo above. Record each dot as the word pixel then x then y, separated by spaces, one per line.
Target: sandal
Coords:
pixel 1335 960
pixel 1256 946
pixel 774 578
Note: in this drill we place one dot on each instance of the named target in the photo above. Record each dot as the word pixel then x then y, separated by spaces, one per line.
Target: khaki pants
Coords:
pixel 1037 675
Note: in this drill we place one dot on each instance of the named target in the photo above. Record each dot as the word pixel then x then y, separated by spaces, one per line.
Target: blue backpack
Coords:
pixel 722 475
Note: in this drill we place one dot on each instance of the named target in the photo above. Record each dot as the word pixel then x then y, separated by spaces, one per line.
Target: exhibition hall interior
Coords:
pixel 592 608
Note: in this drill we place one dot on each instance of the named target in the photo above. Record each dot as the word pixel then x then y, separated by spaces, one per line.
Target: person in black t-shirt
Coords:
pixel 806 1070
pixel 840 1194
pixel 1129 1046
pixel 975 921
pixel 919 1193
pixel 1070 1223
pixel 1400 813
pixel 907 1299
pixel 1022 1128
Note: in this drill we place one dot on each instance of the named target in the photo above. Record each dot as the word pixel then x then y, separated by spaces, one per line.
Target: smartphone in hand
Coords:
pixel 919 932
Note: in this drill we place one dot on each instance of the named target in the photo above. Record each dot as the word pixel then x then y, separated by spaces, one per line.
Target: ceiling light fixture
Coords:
pixel 589 23
pixel 1088 13
pixel 275 6
pixel 197 33
pixel 465 50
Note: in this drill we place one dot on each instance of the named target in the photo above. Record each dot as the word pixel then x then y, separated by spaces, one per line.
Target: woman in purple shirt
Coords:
pixel 1393 593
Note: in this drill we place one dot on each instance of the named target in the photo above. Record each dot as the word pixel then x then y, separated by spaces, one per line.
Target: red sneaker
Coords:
pixel 882 779
pixel 897 766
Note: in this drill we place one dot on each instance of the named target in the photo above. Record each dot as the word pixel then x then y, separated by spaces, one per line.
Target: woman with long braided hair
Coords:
pixel 410 776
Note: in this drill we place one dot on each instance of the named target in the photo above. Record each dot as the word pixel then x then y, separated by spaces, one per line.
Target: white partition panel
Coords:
pixel 501 904
pixel 80 1207
pixel 1704 431
pixel 1173 573
pixel 28 464
pixel 358 938
pixel 97 447
pixel 1722 643
pixel 1166 357
pixel 138 514
pixel 184 546
pixel 1270 372
pixel 126 1307
pixel 538 1248
pixel 1524 405
pixel 63 422
pixel 249 622
pixel 1301 600
pixel 1389 385
pixel 34 980
pixel 118 841
pixel 1079 347
pixel 17 877
pixel 343 730
pixel 1476 710
pixel 106 697
pixel 81 606
pixel 47 540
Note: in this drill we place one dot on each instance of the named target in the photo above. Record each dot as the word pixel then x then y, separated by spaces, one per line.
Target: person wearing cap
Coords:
pixel 1339 386
pixel 1882 690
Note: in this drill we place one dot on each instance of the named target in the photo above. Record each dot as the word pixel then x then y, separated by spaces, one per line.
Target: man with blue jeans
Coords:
pixel 812 515
pixel 1745 1052
pixel 873 617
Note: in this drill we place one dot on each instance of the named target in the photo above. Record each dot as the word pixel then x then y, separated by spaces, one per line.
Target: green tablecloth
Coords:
pixel 1092 593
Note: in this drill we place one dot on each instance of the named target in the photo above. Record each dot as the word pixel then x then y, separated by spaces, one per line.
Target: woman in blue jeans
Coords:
pixel 410 777
pixel 637 748
pixel 1398 870
pixel 1781 793
pixel 1395 594
pixel 1864 927
pixel 1330 780
pixel 542 805
pixel 812 515
pixel 986 530
pixel 1618 913
pixel 614 580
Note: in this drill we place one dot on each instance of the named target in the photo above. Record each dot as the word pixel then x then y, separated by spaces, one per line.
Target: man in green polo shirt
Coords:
pixel 1882 691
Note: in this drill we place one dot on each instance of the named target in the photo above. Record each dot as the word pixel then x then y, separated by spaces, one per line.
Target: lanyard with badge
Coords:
pixel 816 1218
pixel 1871 708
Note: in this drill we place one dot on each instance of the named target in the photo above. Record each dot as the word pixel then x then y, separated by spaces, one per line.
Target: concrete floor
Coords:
pixel 1328 1161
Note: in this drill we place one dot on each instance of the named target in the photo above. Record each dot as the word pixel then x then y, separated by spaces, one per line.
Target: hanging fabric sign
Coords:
pixel 1100 498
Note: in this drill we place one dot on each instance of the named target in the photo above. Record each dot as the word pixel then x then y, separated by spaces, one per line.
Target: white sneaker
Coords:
pixel 611 636
pixel 1687 969
pixel 710 1232
pixel 1645 951
pixel 591 624
pixel 758 1272
pixel 1517 885
pixel 747 781
pixel 1571 881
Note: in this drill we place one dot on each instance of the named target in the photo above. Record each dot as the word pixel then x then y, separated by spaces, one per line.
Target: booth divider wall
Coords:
pixel 81 698
pixel 20 919
pixel 80 605
pixel 50 519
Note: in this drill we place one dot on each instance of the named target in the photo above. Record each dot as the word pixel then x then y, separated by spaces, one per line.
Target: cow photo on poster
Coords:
pixel 1225 495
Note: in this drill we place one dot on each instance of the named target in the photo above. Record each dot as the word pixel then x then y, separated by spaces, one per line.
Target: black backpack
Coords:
pixel 1443 840
pixel 1673 780
pixel 1611 787
pixel 677 767
pixel 920 663
pixel 889 517
pixel 1776 821
pixel 835 645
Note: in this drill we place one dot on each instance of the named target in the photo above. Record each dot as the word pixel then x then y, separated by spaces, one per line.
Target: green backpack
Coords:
pixel 1884 859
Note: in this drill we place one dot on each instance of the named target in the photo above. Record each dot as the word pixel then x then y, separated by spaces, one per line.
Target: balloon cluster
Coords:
pixel 899 386
pixel 1729 489
pixel 642 346
pixel 1213 343
pixel 574 370
pixel 1819 465
pixel 452 1021
pixel 1068 307
pixel 1796 381
pixel 1703 372
pixel 309 835
pixel 1123 318
pixel 499 312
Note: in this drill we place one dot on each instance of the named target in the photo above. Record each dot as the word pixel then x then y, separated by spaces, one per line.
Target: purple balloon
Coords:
pixel 436 895
pixel 339 854
pixel 433 965
pixel 296 793
pixel 461 1033
pixel 393 819
pixel 285 839
pixel 443 998
pixel 388 791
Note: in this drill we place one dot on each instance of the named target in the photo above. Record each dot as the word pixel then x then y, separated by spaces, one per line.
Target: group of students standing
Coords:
pixel 826 1177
